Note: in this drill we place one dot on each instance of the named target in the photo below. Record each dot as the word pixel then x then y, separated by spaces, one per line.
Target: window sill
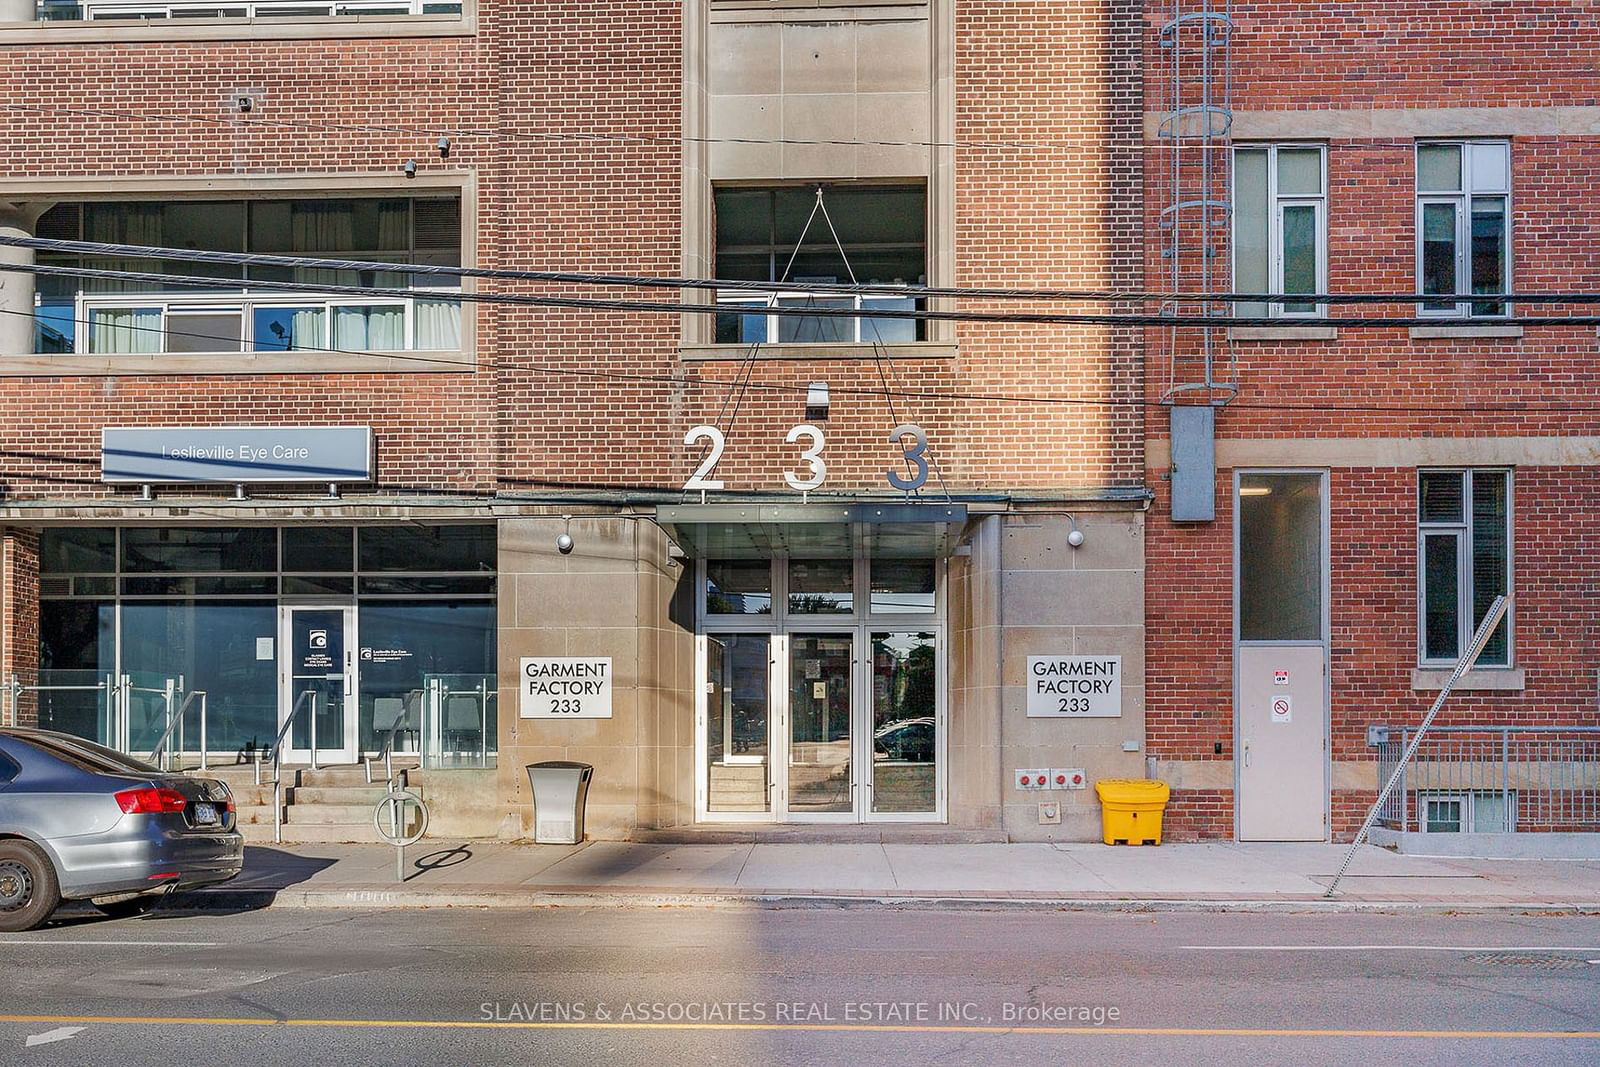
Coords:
pixel 1482 680
pixel 310 27
pixel 236 363
pixel 736 353
pixel 1283 333
pixel 1464 333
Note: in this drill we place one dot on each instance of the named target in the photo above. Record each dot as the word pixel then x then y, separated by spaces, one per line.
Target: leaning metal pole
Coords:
pixel 1497 611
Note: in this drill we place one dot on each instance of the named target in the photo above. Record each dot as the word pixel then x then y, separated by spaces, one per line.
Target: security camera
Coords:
pixel 564 544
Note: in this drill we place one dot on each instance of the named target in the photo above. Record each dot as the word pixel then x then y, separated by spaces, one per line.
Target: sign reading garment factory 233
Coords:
pixel 236 454
pixel 566 687
pixel 1074 687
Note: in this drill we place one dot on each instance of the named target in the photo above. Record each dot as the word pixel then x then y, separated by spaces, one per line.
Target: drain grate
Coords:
pixel 1543 961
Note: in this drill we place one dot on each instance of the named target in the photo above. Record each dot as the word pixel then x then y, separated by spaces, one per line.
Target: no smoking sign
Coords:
pixel 1280 709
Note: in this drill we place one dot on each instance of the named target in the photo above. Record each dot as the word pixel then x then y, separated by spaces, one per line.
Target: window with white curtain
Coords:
pixel 128 317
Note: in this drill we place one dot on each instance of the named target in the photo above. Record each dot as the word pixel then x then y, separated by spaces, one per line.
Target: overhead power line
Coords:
pixel 521 134
pixel 263 259
pixel 570 370
pixel 796 311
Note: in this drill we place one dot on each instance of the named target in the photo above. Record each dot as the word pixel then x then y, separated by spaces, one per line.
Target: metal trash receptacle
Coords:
pixel 560 791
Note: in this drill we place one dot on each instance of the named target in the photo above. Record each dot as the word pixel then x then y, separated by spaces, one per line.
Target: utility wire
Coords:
pixel 262 259
pixel 470 134
pixel 921 395
pixel 802 311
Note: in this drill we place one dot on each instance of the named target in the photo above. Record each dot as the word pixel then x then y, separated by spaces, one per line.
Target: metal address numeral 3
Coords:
pixel 812 455
pixel 914 455
pixel 699 479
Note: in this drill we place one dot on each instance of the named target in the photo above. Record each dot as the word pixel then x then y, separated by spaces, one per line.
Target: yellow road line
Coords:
pixel 866 1028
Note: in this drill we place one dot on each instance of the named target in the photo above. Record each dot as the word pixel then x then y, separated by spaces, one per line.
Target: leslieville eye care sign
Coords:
pixel 566 687
pixel 1074 687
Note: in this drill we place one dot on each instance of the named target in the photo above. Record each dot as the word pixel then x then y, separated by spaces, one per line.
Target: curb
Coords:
pixel 378 897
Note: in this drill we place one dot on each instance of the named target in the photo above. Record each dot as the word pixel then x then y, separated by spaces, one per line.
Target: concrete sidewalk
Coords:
pixel 1209 875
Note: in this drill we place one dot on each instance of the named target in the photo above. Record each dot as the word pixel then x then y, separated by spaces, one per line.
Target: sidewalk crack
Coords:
pixel 893 878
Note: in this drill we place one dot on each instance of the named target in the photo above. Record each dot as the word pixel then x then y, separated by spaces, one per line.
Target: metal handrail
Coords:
pixel 175 725
pixel 277 758
pixel 410 703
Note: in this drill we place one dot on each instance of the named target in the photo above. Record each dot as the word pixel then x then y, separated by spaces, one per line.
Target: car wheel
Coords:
pixel 127 907
pixel 29 891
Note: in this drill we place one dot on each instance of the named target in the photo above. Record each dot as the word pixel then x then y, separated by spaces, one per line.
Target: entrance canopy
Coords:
pixel 814 531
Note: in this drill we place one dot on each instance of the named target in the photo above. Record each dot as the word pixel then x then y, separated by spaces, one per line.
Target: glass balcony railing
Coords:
pixel 132 10
pixel 750 319
pixel 149 323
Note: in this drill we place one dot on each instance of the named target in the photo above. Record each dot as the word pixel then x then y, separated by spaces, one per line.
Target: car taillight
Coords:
pixel 228 806
pixel 151 801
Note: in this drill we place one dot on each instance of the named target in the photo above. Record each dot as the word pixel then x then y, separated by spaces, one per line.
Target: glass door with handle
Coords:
pixel 318 683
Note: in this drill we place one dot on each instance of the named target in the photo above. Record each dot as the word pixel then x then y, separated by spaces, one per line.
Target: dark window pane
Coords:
pixel 1441 596
pixel 821 587
pixel 1280 557
pixel 427 583
pixel 201 585
pixel 205 548
pixel 1299 254
pixel 297 585
pixel 1488 251
pixel 1491 553
pixel 76 635
pixel 1444 816
pixel 77 550
pixel 1440 496
pixel 427 548
pixel 1439 252
pixel 319 549
pixel 902 585
pixel 738 587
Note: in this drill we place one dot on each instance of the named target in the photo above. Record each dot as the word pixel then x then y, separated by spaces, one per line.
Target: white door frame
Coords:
pixel 860 625
pixel 345 750
pixel 1324 644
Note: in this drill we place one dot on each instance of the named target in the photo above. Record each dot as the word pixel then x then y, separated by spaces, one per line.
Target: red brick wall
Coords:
pixel 19 616
pixel 434 431
pixel 1381 383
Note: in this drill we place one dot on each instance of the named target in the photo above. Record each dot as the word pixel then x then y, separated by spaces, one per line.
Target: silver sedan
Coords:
pixel 79 821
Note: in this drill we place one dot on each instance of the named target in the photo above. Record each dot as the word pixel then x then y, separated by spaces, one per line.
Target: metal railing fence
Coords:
pixel 1492 779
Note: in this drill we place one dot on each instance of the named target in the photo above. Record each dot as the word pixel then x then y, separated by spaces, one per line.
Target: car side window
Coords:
pixel 8 769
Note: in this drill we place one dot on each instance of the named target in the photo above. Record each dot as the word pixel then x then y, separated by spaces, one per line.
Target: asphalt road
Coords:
pixel 869 985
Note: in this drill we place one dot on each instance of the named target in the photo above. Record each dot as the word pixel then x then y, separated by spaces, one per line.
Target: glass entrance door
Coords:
pixel 318 684
pixel 821 767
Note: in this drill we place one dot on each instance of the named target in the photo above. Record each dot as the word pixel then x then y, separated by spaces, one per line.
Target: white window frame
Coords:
pixel 1276 203
pixel 1462 532
pixel 1462 202
pixel 1468 799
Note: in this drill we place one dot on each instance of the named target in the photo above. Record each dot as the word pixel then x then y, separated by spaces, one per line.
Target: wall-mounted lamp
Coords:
pixel 564 542
pixel 444 147
pixel 817 400
pixel 410 168
pixel 1074 536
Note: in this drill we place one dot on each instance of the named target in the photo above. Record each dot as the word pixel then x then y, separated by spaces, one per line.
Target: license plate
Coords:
pixel 205 814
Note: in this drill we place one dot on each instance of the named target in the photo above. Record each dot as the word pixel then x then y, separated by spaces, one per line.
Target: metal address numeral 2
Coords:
pixel 699 479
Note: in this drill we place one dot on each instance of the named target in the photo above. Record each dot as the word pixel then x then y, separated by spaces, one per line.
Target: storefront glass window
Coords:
pixel 77 647
pixel 427 548
pixel 78 550
pixel 148 549
pixel 902 586
pixel 821 587
pixel 738 587
pixel 319 549
pixel 215 646
pixel 438 654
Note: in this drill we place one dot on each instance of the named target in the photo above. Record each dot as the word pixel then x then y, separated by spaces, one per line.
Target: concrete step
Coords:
pixel 337 794
pixel 336 776
pixel 254 813
pixel 360 814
